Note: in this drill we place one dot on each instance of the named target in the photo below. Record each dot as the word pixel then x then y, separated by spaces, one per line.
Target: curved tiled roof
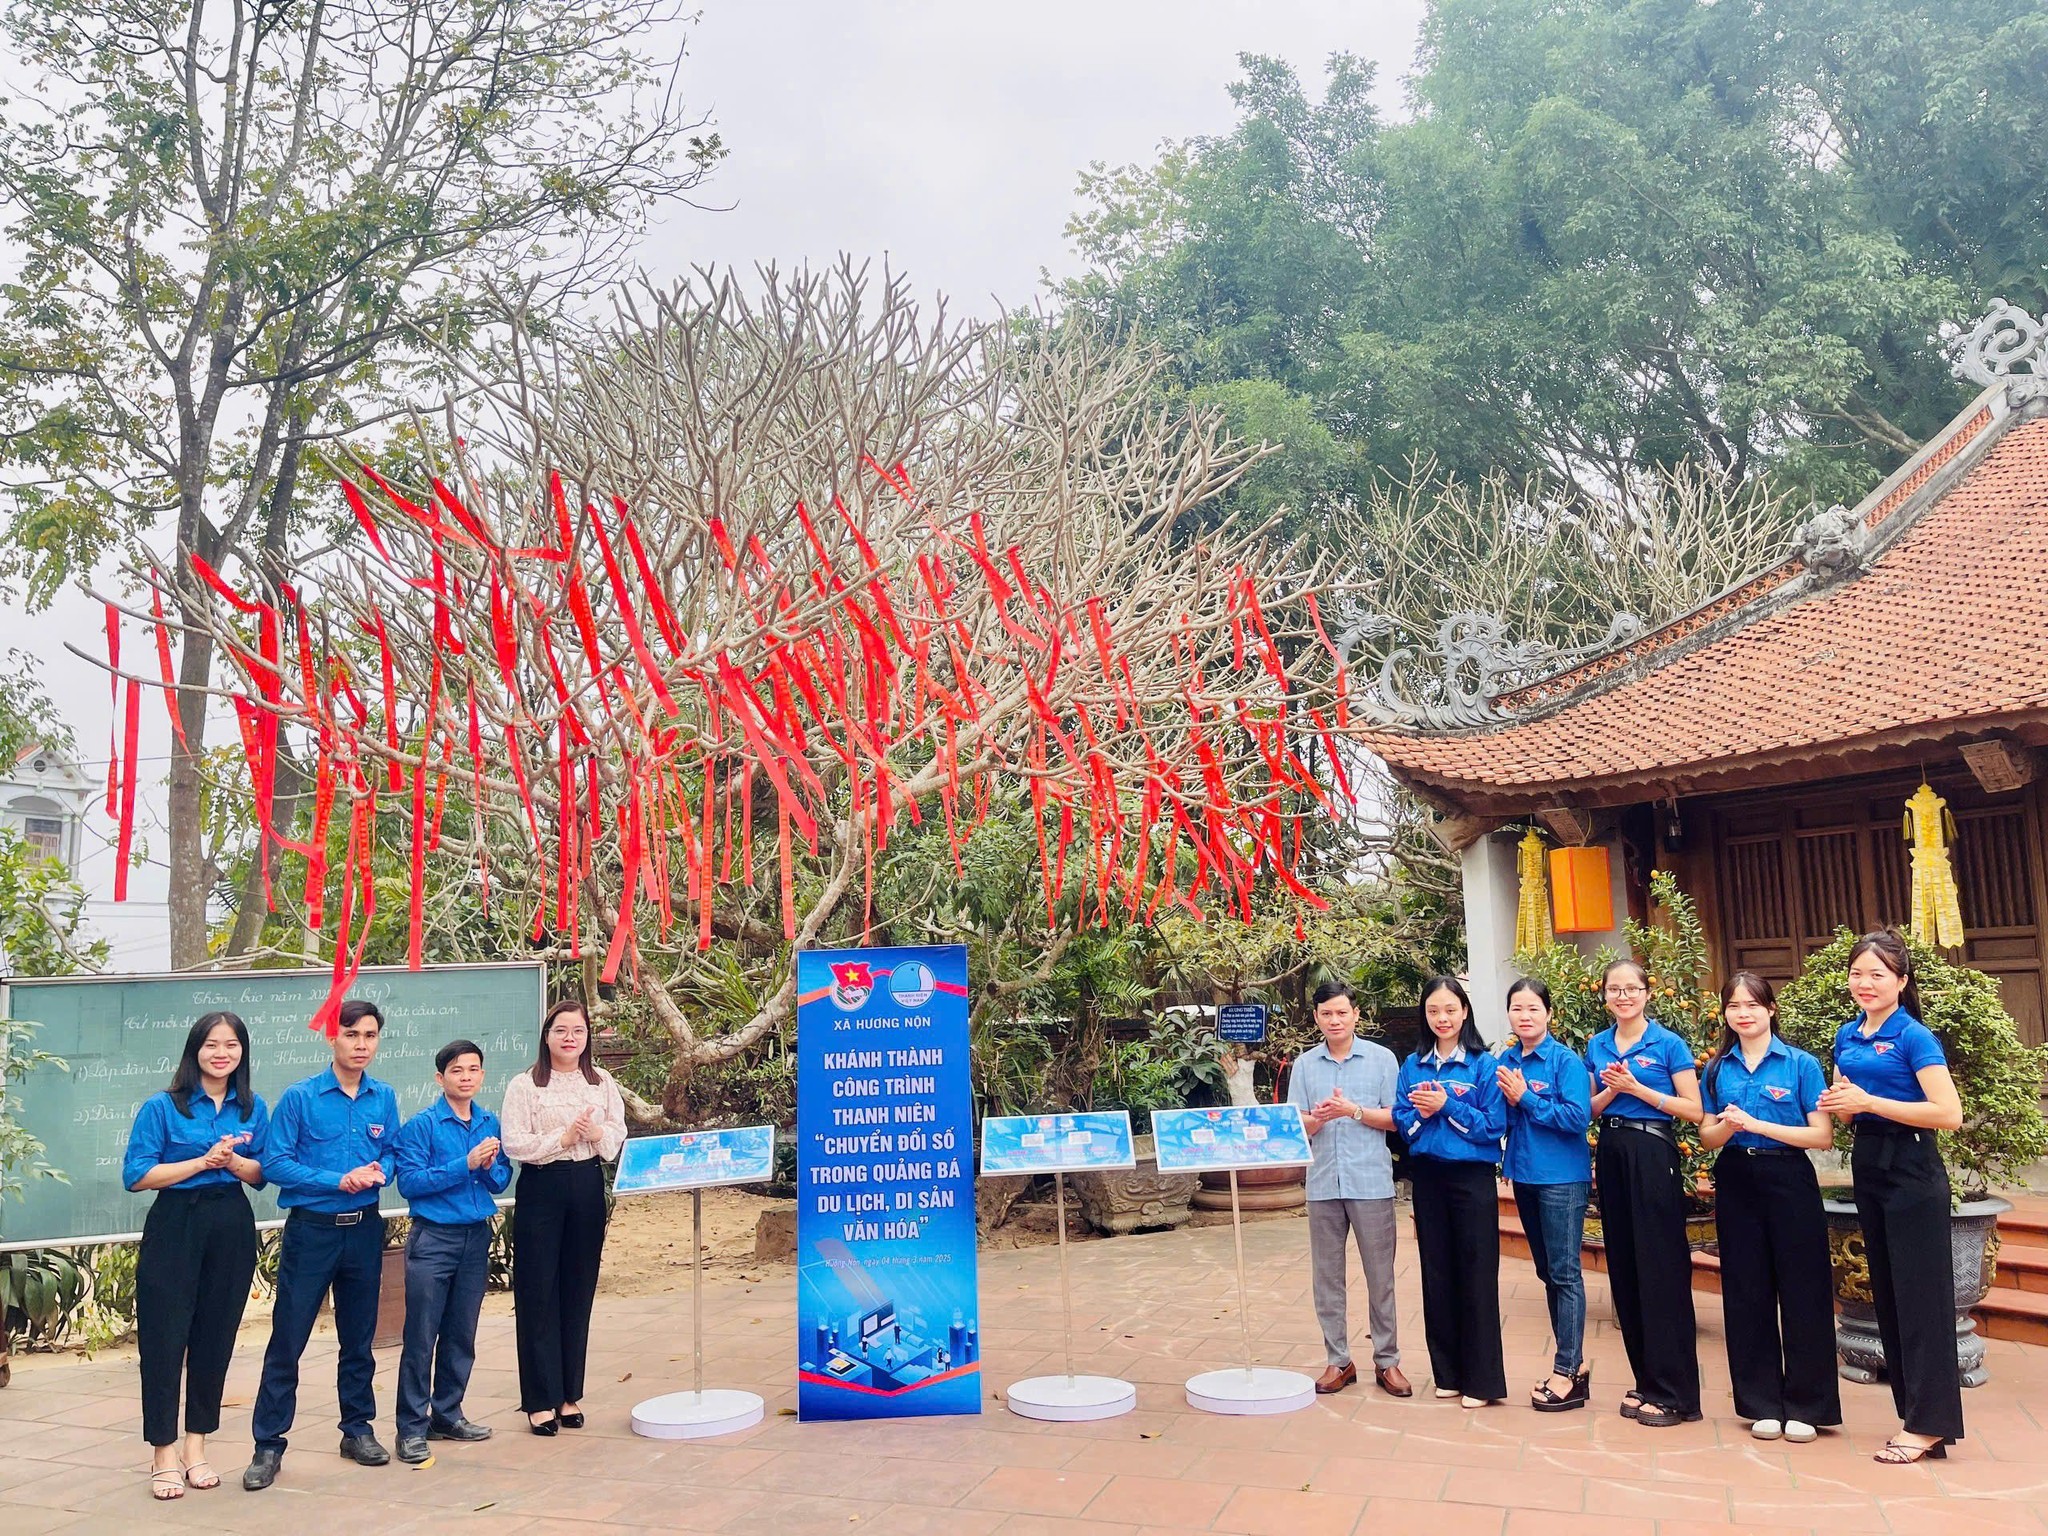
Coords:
pixel 1950 624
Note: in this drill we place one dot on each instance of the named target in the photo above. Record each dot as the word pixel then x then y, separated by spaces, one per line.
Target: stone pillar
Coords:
pixel 1492 888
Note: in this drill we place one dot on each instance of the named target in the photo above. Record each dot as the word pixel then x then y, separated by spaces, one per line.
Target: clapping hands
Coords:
pixel 356 1180
pixel 1842 1098
pixel 1427 1098
pixel 483 1154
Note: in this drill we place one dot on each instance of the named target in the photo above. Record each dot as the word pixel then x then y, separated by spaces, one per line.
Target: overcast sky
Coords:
pixel 944 136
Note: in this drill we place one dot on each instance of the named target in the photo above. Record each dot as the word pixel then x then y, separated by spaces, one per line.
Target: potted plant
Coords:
pixel 1998 1077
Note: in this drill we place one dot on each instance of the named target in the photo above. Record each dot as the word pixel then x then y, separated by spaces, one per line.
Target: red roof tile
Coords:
pixel 1949 625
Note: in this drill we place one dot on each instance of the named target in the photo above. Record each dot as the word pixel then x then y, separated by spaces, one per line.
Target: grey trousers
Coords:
pixel 1371 1222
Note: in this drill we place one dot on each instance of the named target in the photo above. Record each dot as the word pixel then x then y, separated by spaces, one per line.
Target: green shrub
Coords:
pixel 41 1290
pixel 1998 1075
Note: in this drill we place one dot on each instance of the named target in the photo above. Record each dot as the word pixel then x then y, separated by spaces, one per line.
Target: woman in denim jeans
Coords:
pixel 1549 1094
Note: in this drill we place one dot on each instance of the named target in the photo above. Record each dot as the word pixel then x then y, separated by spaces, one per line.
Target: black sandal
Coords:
pixel 1895 1454
pixel 1631 1404
pixel 1657 1416
pixel 1544 1400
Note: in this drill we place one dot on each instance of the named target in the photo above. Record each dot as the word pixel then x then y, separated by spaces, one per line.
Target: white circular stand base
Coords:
pixel 694 1415
pixel 1071 1397
pixel 1258 1390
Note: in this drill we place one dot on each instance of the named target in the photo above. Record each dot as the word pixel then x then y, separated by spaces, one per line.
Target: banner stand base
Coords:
pixel 1258 1389
pixel 696 1415
pixel 1071 1397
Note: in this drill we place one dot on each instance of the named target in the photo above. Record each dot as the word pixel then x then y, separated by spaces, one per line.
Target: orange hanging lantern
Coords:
pixel 1582 895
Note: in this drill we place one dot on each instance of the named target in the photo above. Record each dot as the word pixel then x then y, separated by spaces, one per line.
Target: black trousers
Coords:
pixel 557 1246
pixel 1457 1238
pixel 192 1277
pixel 1777 1288
pixel 1902 1200
pixel 1649 1265
pixel 316 1256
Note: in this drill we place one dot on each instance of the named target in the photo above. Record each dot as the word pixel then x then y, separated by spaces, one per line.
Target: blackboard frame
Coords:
pixel 322 975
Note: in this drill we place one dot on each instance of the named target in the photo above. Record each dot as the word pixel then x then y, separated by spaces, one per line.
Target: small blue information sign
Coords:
pixel 1229 1136
pixel 1057 1143
pixel 888 1316
pixel 1241 1023
pixel 696 1160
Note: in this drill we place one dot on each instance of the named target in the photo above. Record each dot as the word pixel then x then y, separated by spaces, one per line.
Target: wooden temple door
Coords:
pixel 1792 866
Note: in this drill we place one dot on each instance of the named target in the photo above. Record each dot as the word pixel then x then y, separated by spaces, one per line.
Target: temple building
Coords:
pixel 1763 747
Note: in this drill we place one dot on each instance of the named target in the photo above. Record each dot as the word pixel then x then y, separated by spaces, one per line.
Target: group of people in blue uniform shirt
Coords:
pixel 329 1146
pixel 1469 1114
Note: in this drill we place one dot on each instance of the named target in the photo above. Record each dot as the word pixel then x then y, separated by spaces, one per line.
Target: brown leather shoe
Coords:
pixel 1337 1378
pixel 1392 1382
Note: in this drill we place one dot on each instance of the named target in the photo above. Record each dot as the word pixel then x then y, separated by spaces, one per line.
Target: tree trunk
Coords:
pixel 189 880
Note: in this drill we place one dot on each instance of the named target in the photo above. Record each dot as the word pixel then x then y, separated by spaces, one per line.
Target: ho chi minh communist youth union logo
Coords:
pixel 852 984
pixel 912 984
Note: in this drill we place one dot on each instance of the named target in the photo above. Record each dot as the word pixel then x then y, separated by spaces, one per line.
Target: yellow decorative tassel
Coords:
pixel 1532 907
pixel 1937 914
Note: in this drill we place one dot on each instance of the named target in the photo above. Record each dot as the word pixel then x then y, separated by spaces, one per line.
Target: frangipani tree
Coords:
pixel 721 592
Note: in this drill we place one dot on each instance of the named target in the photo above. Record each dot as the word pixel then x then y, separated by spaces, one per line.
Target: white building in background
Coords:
pixel 49 801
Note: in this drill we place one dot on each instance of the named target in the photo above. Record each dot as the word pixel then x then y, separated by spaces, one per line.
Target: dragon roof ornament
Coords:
pixel 2008 346
pixel 1457 681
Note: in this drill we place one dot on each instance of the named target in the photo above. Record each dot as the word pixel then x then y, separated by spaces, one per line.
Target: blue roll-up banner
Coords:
pixel 888 1314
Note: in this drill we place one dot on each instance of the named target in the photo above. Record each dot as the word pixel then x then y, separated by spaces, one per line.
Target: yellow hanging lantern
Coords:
pixel 1937 916
pixel 1532 906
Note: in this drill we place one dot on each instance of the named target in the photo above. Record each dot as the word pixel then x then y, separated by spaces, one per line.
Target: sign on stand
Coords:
pixel 1055 1144
pixel 1233 1137
pixel 1241 1023
pixel 696 1161
pixel 888 1314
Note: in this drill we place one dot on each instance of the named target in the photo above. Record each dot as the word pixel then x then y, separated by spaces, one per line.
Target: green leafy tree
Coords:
pixel 237 232
pixel 1612 240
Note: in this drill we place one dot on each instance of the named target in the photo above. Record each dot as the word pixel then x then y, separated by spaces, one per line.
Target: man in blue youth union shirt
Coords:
pixel 1345 1091
pixel 451 1169
pixel 329 1151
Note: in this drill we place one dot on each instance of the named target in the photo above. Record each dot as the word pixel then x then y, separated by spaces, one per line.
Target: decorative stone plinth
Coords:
pixel 1973 1244
pixel 1140 1199
pixel 1258 1189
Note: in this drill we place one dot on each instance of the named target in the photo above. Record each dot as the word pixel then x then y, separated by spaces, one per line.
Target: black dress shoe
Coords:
pixel 547 1426
pixel 458 1429
pixel 572 1420
pixel 364 1450
pixel 413 1449
pixel 262 1470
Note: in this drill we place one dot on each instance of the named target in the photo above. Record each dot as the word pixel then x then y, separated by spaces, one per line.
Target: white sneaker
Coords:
pixel 1766 1429
pixel 1799 1433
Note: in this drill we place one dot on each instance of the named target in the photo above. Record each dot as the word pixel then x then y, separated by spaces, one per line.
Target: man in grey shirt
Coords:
pixel 1345 1091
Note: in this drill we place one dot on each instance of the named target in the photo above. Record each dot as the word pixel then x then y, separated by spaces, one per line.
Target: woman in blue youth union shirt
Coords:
pixel 1549 1098
pixel 1762 1099
pixel 1643 1074
pixel 1448 1105
pixel 198 1143
pixel 1892 1084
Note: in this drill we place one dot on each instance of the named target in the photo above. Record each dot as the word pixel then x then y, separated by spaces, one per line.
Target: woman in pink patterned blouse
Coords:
pixel 560 1118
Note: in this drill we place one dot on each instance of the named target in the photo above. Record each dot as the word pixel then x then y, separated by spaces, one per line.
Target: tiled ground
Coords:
pixel 1152 1309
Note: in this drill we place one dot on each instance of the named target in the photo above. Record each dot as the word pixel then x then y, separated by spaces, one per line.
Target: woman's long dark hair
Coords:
pixel 1898 959
pixel 1761 991
pixel 544 1069
pixel 189 1079
pixel 1469 1039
